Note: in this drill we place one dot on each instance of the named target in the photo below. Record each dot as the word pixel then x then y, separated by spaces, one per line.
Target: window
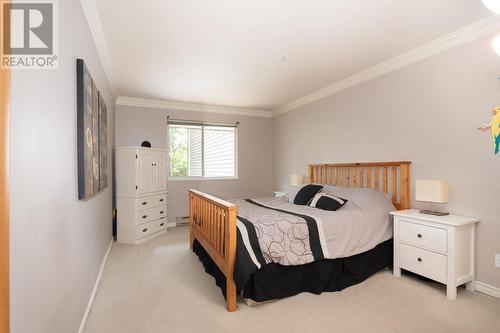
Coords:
pixel 202 150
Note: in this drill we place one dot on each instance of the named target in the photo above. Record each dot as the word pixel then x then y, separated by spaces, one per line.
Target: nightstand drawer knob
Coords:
pixel 419 235
pixel 144 216
pixel 419 259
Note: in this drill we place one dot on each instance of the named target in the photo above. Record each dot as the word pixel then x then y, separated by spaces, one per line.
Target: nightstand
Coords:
pixel 278 194
pixel 440 248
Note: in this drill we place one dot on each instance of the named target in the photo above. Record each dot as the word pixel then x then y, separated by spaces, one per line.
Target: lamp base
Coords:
pixel 433 212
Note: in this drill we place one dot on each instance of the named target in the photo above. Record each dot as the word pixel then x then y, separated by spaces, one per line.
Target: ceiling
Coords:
pixel 262 54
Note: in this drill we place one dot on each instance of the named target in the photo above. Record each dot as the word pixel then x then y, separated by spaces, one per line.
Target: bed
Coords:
pixel 271 248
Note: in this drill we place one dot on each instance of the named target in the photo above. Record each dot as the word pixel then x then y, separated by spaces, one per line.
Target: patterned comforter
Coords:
pixel 276 231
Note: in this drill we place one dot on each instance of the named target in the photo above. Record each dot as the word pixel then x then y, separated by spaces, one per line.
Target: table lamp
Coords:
pixel 296 180
pixel 433 191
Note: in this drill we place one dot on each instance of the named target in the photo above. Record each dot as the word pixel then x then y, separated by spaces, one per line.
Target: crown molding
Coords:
pixel 96 30
pixel 476 30
pixel 481 28
pixel 185 106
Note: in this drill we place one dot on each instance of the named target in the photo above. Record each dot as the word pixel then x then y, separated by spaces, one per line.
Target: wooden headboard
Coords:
pixel 377 175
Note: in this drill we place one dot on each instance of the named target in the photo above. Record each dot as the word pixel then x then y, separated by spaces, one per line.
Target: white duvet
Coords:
pixel 360 225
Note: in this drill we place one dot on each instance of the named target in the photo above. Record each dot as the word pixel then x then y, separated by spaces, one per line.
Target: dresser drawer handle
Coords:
pixel 144 203
pixel 419 235
pixel 144 216
pixel 145 229
pixel 419 259
pixel 161 212
pixel 161 200
pixel 162 224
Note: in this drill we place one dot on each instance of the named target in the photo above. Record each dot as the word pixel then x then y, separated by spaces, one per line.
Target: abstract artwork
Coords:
pixel 95 138
pixel 103 138
pixel 91 135
pixel 494 127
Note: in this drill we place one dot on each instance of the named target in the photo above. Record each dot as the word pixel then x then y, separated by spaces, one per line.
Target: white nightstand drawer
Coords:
pixel 147 229
pixel 445 247
pixel 423 262
pixel 423 236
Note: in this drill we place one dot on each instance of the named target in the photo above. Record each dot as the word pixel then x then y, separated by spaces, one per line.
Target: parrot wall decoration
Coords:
pixel 494 126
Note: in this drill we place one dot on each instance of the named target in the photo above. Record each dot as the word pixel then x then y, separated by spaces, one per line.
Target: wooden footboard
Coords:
pixel 212 222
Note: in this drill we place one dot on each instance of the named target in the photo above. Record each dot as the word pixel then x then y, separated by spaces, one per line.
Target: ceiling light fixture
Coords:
pixel 496 44
pixel 493 5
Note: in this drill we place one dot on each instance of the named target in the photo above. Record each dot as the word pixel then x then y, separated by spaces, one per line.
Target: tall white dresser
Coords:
pixel 141 193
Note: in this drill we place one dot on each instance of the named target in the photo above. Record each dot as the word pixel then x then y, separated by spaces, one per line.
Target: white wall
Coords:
pixel 134 125
pixel 426 113
pixel 57 242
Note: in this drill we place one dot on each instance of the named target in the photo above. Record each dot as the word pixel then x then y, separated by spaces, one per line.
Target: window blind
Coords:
pixel 195 155
pixel 218 151
pixel 202 150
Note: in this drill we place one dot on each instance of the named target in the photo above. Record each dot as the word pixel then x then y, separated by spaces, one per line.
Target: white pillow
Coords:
pixel 365 198
pixel 292 192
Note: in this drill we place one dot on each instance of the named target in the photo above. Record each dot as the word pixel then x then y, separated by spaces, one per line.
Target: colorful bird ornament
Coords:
pixel 494 125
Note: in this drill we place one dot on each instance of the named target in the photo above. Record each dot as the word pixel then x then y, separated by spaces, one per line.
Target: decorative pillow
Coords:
pixel 327 202
pixel 306 194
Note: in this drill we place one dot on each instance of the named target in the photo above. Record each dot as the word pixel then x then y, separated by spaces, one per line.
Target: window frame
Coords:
pixel 199 178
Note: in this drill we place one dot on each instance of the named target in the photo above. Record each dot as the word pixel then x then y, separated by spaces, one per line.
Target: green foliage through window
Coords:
pixel 178 149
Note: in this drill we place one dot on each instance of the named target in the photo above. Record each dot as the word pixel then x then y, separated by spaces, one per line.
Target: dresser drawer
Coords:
pixel 423 236
pixel 423 262
pixel 151 201
pixel 150 228
pixel 151 214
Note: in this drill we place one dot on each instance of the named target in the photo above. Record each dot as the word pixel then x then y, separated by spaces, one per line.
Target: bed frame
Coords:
pixel 212 221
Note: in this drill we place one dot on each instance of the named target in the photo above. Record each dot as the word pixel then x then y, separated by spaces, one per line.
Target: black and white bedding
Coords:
pixel 276 231
pixel 270 234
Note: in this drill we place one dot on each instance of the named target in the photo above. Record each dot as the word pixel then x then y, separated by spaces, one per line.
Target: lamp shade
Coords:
pixel 296 180
pixel 431 191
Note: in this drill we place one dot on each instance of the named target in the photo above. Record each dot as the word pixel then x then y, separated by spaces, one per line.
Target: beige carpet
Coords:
pixel 160 286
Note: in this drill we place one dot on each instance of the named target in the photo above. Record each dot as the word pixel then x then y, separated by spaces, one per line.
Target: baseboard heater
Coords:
pixel 182 221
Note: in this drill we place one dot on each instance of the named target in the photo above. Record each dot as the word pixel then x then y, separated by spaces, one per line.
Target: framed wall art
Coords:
pixel 91 135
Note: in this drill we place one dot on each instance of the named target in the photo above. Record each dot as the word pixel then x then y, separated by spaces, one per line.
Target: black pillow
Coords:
pixel 328 202
pixel 306 194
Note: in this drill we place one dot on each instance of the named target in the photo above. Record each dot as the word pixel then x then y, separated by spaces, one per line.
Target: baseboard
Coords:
pixel 486 289
pixel 171 224
pixel 96 286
